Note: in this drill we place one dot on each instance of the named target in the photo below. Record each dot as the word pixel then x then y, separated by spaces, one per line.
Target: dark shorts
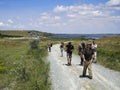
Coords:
pixel 69 54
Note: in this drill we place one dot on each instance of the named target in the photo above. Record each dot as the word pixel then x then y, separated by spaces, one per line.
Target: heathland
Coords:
pixel 23 63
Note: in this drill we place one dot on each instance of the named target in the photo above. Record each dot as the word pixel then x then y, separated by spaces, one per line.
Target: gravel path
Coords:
pixel 67 77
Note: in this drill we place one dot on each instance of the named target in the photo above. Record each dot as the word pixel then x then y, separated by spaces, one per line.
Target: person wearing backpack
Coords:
pixel 69 50
pixel 81 48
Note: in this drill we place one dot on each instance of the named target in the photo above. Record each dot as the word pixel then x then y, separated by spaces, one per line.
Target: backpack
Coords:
pixel 51 44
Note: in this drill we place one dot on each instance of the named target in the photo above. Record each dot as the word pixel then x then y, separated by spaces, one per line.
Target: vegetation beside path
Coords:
pixel 109 52
pixel 23 65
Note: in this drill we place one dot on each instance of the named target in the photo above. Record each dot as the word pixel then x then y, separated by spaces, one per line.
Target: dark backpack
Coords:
pixel 51 44
pixel 69 48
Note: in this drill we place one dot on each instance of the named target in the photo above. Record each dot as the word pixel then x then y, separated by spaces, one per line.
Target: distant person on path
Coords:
pixel 81 49
pixel 88 56
pixel 61 48
pixel 49 46
pixel 94 47
pixel 69 50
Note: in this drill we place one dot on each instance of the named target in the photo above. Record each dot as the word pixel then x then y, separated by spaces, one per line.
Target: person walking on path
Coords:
pixel 61 48
pixel 81 48
pixel 69 50
pixel 94 47
pixel 88 56
pixel 49 46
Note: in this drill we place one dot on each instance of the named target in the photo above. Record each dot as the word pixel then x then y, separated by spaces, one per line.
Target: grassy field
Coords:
pixel 14 33
pixel 23 65
pixel 22 33
pixel 109 52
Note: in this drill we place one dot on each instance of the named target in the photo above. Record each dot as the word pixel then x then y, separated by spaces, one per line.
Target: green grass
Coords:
pixel 109 52
pixel 23 67
pixel 22 33
pixel 14 33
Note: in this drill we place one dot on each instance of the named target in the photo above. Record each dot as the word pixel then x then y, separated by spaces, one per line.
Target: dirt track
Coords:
pixel 67 77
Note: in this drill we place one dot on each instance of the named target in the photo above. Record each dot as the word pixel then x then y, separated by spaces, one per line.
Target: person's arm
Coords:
pixel 72 48
pixel 78 49
pixel 95 46
pixel 65 47
pixel 83 56
pixel 92 56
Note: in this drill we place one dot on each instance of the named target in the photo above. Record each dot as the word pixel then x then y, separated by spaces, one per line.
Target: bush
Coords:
pixel 34 44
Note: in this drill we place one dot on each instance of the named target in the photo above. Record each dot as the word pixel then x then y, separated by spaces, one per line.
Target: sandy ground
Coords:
pixel 65 77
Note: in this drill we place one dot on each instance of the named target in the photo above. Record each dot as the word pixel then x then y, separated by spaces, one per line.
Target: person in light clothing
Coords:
pixel 61 48
pixel 94 47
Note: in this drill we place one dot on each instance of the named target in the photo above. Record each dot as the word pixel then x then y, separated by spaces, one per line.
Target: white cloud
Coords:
pixel 44 16
pixel 78 19
pixel 1 24
pixel 73 8
pixel 97 13
pixel 89 18
pixel 74 19
pixel 60 9
pixel 57 18
pixel 10 21
pixel 71 15
pixel 80 10
pixel 113 3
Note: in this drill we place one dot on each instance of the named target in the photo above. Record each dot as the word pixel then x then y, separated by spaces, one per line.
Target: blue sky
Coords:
pixel 61 16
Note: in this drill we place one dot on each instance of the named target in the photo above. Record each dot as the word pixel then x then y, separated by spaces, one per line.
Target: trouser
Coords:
pixel 87 65
pixel 49 49
pixel 81 60
pixel 69 57
pixel 95 56
pixel 61 49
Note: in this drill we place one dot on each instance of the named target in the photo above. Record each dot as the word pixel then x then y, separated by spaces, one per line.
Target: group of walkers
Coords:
pixel 87 53
pixel 82 48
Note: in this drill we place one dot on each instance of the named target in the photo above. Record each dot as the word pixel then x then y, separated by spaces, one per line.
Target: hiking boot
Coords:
pixel 69 64
pixel 90 77
pixel 82 76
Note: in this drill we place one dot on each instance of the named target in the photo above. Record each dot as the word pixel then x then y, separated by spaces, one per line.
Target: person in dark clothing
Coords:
pixel 69 49
pixel 49 46
pixel 81 49
pixel 88 56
